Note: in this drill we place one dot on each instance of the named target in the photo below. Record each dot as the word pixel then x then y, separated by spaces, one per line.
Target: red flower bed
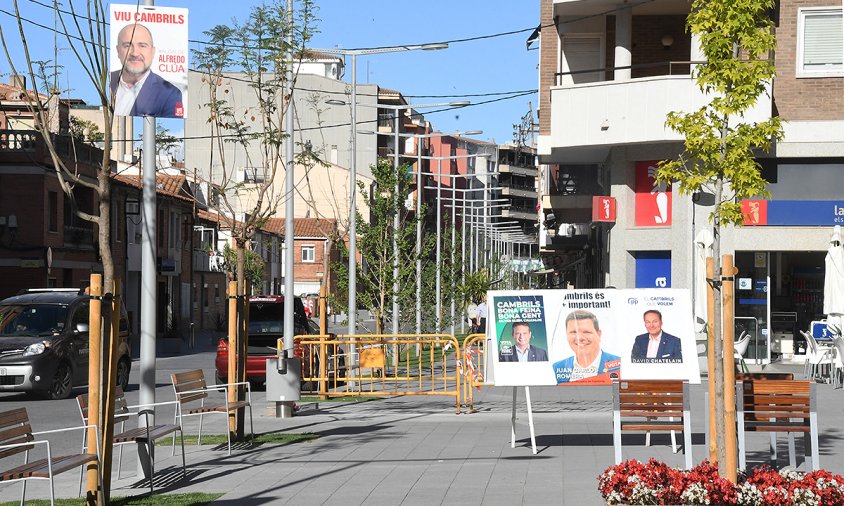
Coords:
pixel 633 482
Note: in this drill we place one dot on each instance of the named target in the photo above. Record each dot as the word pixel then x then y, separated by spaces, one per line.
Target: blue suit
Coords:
pixel 608 364
pixel 669 348
pixel 534 355
pixel 157 98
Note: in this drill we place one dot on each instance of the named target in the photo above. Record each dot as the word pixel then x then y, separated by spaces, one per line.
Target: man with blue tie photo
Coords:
pixel 135 89
pixel 656 346
pixel 522 350
pixel 590 363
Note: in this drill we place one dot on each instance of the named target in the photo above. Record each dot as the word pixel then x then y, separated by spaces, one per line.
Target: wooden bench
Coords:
pixel 778 406
pixel 651 405
pixel 16 436
pixel 190 388
pixel 144 434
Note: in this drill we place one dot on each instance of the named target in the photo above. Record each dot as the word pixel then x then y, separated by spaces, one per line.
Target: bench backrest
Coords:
pixel 187 382
pixel 121 409
pixel 650 398
pixel 15 429
pixel 760 376
pixel 777 401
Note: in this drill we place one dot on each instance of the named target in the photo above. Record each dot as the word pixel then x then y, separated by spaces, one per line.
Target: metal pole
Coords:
pixel 463 256
pixel 396 224
pixel 451 253
pixel 149 293
pixel 289 182
pixel 419 193
pixel 439 252
pixel 353 226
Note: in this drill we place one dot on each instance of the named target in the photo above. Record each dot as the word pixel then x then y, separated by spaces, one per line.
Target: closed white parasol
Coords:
pixel 833 287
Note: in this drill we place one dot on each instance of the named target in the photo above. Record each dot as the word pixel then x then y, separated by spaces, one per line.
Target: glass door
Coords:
pixel 753 303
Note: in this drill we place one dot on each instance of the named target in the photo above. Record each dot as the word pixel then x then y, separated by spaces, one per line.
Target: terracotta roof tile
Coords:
pixel 171 186
pixel 302 227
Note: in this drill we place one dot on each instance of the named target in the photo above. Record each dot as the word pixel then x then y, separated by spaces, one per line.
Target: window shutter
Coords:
pixel 823 44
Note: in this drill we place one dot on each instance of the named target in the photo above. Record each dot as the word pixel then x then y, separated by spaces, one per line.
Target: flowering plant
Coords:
pixel 634 482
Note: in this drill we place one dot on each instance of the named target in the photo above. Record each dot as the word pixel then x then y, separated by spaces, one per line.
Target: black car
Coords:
pixel 44 342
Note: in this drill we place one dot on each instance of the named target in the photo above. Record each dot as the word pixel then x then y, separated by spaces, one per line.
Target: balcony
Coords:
pixel 506 168
pixel 81 236
pixel 514 190
pixel 520 213
pixel 590 118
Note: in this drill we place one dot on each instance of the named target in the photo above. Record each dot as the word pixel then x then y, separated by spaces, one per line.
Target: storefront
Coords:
pixel 778 293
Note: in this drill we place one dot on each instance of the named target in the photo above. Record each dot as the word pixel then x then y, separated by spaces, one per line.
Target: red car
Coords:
pixel 266 327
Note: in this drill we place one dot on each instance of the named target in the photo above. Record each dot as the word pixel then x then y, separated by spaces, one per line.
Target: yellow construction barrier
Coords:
pixel 382 364
pixel 473 363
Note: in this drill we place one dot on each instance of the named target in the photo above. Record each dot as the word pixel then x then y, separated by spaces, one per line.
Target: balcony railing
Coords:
pixel 79 236
pixel 24 141
pixel 638 70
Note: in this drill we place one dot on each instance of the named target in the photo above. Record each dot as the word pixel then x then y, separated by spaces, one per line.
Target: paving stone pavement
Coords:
pixel 416 450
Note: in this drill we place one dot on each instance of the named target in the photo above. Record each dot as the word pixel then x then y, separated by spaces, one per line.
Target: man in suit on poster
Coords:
pixel 522 350
pixel 589 362
pixel 136 90
pixel 656 346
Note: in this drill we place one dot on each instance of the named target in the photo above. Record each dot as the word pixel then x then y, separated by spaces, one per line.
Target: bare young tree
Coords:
pixel 247 134
pixel 86 34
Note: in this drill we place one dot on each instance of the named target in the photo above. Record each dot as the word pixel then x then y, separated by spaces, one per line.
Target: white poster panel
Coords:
pixel 590 337
pixel 149 61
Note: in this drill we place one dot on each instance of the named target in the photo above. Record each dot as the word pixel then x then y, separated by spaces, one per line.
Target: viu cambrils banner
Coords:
pixel 590 337
pixel 148 61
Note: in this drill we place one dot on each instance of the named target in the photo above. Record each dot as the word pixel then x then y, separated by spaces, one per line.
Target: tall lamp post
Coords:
pixel 352 312
pixel 397 110
pixel 419 194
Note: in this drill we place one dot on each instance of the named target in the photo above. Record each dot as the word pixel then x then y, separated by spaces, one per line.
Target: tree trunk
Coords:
pixel 720 439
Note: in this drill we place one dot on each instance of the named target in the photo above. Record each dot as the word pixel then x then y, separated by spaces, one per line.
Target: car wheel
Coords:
pixel 62 383
pixel 123 368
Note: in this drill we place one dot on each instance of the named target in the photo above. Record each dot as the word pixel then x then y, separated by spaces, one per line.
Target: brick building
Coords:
pixel 609 74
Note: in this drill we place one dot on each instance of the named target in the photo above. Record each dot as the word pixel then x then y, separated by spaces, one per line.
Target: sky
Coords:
pixel 486 71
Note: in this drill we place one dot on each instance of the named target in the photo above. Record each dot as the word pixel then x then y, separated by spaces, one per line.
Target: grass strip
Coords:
pixel 276 438
pixel 191 499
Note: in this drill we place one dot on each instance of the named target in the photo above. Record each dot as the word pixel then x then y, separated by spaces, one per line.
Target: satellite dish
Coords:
pixel 505 259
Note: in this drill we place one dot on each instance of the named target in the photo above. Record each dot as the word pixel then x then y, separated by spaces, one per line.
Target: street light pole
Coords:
pixel 396 224
pixel 352 268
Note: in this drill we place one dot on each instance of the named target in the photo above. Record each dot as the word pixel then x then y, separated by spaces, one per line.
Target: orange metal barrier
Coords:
pixel 383 364
pixel 474 369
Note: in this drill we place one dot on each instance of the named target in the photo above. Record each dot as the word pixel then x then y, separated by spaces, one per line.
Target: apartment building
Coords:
pixel 609 74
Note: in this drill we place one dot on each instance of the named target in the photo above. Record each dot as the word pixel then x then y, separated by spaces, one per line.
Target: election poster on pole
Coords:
pixel 148 61
pixel 590 337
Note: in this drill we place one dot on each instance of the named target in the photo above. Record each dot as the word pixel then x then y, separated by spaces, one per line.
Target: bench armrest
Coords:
pixel 53 431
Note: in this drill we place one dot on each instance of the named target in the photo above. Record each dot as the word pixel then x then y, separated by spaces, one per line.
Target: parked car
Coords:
pixel 44 342
pixel 266 327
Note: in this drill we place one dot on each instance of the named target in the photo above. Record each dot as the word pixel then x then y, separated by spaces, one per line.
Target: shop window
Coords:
pixel 820 47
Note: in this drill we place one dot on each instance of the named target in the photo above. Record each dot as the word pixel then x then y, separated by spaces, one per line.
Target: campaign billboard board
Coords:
pixel 148 61
pixel 590 337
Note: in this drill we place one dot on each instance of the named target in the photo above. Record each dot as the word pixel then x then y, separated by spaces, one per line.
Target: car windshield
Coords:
pixel 32 319
pixel 266 318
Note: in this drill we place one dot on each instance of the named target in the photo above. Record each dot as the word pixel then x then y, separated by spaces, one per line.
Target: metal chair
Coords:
pixel 190 387
pixel 145 433
pixel 16 437
pixel 838 362
pixel 817 356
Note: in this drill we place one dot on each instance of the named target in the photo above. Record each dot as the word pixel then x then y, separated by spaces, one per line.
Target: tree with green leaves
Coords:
pixel 375 244
pixel 737 39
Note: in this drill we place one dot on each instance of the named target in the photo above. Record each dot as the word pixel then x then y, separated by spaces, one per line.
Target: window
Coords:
pixel 820 45
pixel 308 254
pixel 53 211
